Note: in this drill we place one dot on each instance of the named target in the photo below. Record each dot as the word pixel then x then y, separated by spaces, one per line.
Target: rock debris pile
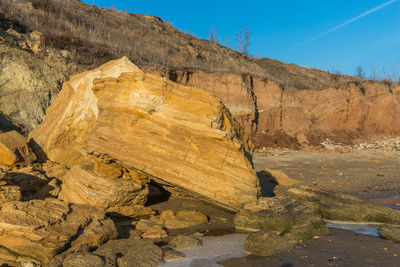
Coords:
pixel 388 145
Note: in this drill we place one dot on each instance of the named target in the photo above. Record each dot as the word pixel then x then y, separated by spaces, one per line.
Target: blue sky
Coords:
pixel 282 29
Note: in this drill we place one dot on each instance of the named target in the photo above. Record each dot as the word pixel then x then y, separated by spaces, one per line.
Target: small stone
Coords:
pixel 144 225
pixel 167 213
pixel 135 211
pixel 184 219
pixel 182 242
pixel 131 252
pixel 155 232
pixel 135 234
pixel 171 254
pixel 87 260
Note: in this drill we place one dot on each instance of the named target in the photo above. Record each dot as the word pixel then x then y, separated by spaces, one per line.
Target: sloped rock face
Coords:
pixel 28 82
pixel 35 231
pixel 152 128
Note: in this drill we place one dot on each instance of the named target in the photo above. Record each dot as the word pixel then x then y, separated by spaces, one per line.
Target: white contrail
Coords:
pixel 372 10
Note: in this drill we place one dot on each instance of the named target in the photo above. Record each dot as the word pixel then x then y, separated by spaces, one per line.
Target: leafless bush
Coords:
pixel 213 37
pixel 243 39
pixel 360 72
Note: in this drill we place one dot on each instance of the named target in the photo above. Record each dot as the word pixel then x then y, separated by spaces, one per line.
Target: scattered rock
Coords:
pixel 183 241
pixel 170 254
pixel 391 232
pixel 87 260
pixel 144 225
pixel 266 243
pixel 291 219
pixel 155 232
pixel 116 109
pixel 135 234
pixel 132 252
pixel 135 211
pixel 390 145
pixel 14 150
pixel 183 219
pixel 39 229
pixel 344 207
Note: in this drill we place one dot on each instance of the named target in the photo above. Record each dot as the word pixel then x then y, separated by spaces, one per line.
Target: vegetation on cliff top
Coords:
pixel 94 35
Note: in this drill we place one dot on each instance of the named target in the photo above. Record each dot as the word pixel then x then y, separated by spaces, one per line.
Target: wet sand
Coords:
pixel 341 248
pixel 363 173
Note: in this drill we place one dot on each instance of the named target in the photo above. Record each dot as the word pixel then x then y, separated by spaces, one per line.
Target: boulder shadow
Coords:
pixel 29 184
pixel 267 183
pixel 41 156
pixel 157 194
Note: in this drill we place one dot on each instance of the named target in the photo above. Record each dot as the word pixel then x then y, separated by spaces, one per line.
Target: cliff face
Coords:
pixel 272 115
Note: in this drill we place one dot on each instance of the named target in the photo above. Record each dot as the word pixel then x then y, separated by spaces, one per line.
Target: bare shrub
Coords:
pixel 243 39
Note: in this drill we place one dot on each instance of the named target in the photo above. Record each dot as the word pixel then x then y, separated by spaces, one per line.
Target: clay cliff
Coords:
pixel 131 127
pixel 277 116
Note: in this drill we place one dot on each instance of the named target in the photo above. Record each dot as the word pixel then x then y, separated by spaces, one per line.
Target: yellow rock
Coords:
pixel 178 136
pixel 82 186
pixel 14 149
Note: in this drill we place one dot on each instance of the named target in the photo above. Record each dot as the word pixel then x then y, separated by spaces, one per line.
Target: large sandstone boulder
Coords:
pixel 14 149
pixel 37 230
pixel 178 136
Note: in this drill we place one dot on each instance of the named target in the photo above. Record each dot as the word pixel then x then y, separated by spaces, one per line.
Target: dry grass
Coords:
pixel 94 36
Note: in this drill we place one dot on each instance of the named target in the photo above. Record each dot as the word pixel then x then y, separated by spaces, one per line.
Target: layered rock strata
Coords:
pixel 150 127
pixel 84 186
pixel 37 230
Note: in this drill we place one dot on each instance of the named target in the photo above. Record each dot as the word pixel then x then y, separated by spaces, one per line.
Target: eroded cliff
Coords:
pixel 275 115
